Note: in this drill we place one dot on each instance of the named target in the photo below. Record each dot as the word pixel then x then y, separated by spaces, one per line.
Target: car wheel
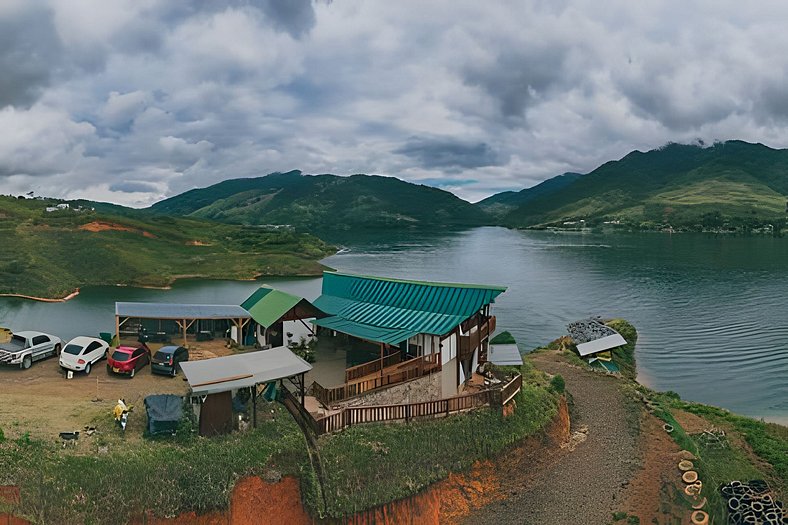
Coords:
pixel 174 371
pixel 133 372
pixel 27 361
pixel 106 353
pixel 87 369
pixel 57 349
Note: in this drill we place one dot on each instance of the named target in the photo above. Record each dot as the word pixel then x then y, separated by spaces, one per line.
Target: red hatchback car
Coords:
pixel 127 360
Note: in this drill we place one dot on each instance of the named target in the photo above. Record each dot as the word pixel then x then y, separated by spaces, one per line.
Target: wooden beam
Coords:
pixel 223 380
pixel 117 327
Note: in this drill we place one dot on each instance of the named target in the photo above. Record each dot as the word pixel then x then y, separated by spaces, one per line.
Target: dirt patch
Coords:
pixel 198 243
pixel 101 226
pixel 658 483
pixel 691 423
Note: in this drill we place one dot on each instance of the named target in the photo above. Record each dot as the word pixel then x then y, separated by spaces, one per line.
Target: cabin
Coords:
pixel 280 318
pixel 417 327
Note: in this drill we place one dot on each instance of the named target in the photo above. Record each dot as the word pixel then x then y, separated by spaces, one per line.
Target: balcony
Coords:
pixel 469 343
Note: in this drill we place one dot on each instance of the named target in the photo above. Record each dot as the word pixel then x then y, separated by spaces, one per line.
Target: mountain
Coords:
pixel 50 253
pixel 729 185
pixel 503 203
pixel 325 203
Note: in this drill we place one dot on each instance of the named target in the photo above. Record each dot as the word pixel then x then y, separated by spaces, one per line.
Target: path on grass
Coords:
pixel 584 486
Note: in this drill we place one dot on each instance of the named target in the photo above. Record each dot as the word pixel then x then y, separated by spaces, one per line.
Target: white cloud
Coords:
pixel 134 100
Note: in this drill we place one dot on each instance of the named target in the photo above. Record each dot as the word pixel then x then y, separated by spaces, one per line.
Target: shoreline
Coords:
pixel 42 299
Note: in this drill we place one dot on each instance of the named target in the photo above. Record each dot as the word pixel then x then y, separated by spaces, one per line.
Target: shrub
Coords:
pixel 558 384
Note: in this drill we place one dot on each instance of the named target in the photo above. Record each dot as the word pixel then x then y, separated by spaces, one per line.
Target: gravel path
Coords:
pixel 584 486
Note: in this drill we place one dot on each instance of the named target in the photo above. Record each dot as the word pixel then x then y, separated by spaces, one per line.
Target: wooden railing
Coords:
pixel 399 373
pixel 348 416
pixel 469 343
pixel 365 369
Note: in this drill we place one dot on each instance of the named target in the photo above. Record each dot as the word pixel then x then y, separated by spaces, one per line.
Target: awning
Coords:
pixel 268 305
pixel 600 345
pixel 222 374
pixel 505 355
pixel 376 334
pixel 180 311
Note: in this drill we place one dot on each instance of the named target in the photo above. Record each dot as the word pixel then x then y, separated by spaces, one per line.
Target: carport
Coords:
pixel 214 380
pixel 184 315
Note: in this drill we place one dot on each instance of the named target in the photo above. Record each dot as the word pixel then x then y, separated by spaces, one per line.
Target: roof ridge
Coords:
pixel 436 284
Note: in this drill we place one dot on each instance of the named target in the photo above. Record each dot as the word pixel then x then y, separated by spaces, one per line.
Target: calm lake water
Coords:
pixel 710 310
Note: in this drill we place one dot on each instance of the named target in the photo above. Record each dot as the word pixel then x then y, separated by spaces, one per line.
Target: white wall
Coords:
pixel 449 349
pixel 294 327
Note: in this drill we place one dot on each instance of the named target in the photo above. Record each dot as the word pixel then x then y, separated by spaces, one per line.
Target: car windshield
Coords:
pixel 120 356
pixel 162 356
pixel 72 349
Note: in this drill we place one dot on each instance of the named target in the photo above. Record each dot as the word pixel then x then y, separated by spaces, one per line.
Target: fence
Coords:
pixel 365 369
pixel 349 416
pixel 398 373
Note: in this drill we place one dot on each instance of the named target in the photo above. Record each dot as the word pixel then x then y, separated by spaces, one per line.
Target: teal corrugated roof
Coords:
pixel 395 304
pixel 379 334
pixel 267 305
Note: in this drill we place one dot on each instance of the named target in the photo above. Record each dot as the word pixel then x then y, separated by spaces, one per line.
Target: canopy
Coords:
pixel 268 305
pixel 164 412
pixel 392 310
pixel 180 311
pixel 600 345
pixel 504 355
pixel 222 374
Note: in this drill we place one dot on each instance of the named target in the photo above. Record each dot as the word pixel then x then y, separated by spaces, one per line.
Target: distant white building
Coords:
pixel 63 206
pixel 50 209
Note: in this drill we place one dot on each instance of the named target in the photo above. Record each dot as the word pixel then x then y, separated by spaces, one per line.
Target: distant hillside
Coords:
pixel 503 203
pixel 49 254
pixel 730 185
pixel 325 203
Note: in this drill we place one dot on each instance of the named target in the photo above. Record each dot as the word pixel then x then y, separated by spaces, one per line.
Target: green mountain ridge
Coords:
pixel 326 203
pixel 49 254
pixel 728 185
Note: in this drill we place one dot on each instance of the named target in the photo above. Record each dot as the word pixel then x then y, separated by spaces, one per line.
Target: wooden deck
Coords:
pixel 399 372
pixel 336 420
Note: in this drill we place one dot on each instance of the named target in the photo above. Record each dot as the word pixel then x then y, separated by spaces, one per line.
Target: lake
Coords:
pixel 710 310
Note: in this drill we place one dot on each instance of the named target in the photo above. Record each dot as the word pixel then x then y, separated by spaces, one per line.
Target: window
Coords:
pixel 72 349
pixel 92 347
pixel 40 339
pixel 117 355
pixel 138 352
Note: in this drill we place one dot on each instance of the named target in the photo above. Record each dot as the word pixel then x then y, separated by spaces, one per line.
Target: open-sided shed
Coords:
pixel 215 379
pixel 184 315
pixel 277 312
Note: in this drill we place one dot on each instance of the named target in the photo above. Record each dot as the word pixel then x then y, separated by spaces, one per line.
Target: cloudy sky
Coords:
pixel 130 101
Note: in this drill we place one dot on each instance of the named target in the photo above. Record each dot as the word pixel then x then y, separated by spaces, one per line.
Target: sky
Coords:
pixel 132 101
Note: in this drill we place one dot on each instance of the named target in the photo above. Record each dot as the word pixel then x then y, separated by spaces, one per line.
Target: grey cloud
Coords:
pixel 29 52
pixel 134 186
pixel 297 17
pixel 449 153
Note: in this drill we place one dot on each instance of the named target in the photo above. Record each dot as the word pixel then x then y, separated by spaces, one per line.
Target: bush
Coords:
pixel 2 435
pixel 558 384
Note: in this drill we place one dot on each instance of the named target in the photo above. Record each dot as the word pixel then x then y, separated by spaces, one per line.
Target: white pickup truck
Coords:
pixel 26 347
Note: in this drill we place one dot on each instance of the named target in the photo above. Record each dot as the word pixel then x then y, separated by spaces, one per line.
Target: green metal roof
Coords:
pixel 398 308
pixel 266 305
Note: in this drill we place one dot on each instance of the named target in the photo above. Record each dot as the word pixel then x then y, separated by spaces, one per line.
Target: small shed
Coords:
pixel 214 380
pixel 280 316
pixel 165 412
pixel 505 355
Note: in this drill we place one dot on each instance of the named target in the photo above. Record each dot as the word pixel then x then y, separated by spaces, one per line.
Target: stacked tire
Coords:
pixel 751 503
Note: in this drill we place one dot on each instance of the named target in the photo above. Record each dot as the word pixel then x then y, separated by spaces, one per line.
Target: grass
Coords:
pixel 371 465
pixel 504 338
pixel 624 356
pixel 49 254
pixel 168 476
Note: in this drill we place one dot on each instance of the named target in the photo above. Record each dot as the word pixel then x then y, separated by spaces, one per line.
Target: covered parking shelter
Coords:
pixel 213 382
pixel 183 315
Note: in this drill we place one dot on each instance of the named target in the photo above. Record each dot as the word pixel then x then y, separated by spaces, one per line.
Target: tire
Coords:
pixel 58 349
pixel 133 372
pixel 27 362
pixel 87 369
pixel 109 369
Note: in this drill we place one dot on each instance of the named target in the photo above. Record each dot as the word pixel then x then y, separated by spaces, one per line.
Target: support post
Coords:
pixel 184 332
pixel 117 328
pixel 381 360
pixel 303 393
pixel 254 406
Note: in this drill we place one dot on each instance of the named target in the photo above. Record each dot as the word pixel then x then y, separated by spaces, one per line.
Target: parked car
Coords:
pixel 127 360
pixel 168 360
pixel 82 353
pixel 26 347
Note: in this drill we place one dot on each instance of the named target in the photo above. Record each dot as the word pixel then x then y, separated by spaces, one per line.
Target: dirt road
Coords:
pixel 586 485
pixel 43 402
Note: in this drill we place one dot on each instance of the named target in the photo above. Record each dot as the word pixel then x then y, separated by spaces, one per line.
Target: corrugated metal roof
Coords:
pixel 505 355
pixel 180 311
pixel 411 306
pixel 600 345
pixel 266 305
pixel 378 334
pixel 249 369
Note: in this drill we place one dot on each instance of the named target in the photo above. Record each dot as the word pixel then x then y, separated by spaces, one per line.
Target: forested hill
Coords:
pixel 729 185
pixel 325 203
